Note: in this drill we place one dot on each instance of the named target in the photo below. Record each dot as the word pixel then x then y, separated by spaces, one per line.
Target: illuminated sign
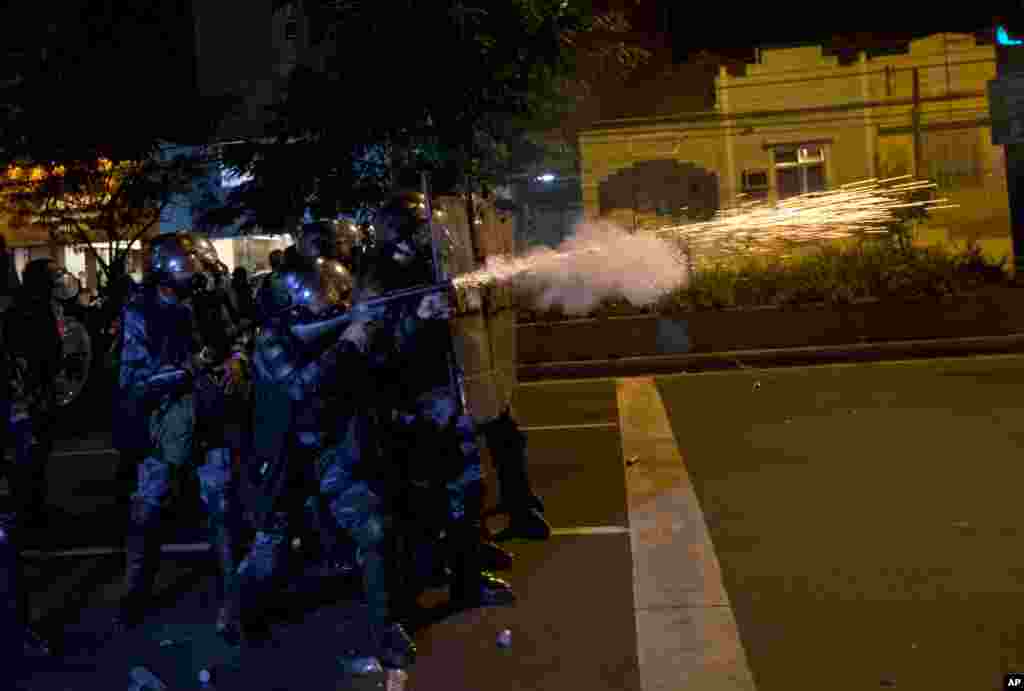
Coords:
pixel 1003 38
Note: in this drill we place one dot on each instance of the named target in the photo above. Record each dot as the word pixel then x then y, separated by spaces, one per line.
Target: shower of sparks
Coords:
pixel 858 209
pixel 855 210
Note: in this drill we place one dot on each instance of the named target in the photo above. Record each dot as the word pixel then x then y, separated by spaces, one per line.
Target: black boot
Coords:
pixel 516 498
pixel 471 585
pixel 384 563
pixel 14 602
pixel 257 577
pixel 225 523
pixel 395 649
pixel 334 554
pixel 142 559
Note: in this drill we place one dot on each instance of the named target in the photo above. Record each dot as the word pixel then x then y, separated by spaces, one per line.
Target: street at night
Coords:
pixel 863 517
pixel 544 345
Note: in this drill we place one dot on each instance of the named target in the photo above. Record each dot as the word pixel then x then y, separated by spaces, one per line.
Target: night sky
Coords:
pixel 734 28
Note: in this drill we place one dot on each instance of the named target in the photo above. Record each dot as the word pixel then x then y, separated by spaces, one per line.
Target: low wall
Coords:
pixel 994 312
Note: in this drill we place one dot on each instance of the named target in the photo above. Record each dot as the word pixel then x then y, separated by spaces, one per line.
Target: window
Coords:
pixel 755 183
pixel 799 169
pixel 785 155
pixel 291 29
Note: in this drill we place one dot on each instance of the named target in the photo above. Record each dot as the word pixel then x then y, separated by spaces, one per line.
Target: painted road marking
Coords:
pixel 194 547
pixel 595 530
pixel 677 581
pixel 747 370
pixel 582 425
pixel 555 382
pixel 69 453
pixel 184 548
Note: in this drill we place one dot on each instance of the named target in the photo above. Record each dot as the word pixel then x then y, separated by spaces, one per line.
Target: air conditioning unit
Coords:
pixel 810 154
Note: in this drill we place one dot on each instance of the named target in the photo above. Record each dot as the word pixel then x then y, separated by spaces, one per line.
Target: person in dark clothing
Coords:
pixel 9 283
pixel 432 437
pixel 308 442
pixel 291 258
pixel 130 437
pixel 158 372
pixel 241 295
pixel 276 259
pixel 33 339
pixel 32 352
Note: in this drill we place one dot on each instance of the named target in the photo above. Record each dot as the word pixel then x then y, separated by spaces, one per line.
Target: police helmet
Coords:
pixel 173 261
pixel 318 239
pixel 311 292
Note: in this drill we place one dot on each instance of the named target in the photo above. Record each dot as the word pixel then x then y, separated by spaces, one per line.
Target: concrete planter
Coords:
pixel 992 312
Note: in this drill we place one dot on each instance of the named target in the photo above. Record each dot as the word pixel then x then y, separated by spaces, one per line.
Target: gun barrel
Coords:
pixel 309 333
pixel 370 304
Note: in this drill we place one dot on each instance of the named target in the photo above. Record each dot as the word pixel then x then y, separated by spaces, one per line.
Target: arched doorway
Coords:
pixel 654 192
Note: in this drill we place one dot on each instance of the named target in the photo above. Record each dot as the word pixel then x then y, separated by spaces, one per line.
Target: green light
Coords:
pixel 1003 38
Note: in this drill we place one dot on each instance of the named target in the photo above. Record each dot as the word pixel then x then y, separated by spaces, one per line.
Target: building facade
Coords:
pixel 798 120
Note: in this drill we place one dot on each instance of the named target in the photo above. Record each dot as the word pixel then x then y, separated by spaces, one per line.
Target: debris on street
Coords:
pixel 141 679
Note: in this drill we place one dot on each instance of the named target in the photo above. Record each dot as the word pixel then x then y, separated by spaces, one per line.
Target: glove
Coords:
pixel 434 306
pixel 357 335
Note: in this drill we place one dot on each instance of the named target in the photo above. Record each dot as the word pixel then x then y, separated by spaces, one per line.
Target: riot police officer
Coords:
pixel 157 375
pixel 309 441
pixel 220 398
pixel 440 451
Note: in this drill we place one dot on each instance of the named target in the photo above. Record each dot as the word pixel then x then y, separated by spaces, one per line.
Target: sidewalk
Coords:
pixel 773 357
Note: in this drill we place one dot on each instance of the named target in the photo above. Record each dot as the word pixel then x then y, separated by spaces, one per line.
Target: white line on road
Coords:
pixel 194 547
pixel 556 382
pixel 593 530
pixel 586 425
pixel 68 453
pixel 184 548
pixel 671 545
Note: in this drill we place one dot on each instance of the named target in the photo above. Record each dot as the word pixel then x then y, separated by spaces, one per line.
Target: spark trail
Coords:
pixel 601 259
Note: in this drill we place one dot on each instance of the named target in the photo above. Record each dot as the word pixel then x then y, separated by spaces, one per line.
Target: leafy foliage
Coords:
pixel 86 202
pixel 84 154
pixel 833 275
pixel 445 86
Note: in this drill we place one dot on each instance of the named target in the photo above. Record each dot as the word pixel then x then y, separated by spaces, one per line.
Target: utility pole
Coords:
pixel 916 123
pixel 1006 104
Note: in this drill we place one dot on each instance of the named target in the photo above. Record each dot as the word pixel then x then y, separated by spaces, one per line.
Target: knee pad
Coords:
pixel 215 476
pixel 266 556
pixel 154 481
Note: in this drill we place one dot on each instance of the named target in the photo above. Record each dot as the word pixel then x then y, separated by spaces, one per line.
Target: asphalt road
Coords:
pixel 573 626
pixel 866 517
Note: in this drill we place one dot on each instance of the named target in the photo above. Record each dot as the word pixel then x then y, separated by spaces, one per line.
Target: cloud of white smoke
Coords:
pixel 599 260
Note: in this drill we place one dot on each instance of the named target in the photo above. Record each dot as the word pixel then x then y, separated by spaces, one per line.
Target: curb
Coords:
pixel 773 357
